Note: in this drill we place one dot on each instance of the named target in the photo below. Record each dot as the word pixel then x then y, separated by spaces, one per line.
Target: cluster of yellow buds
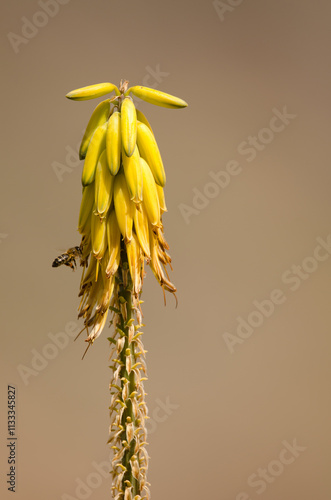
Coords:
pixel 123 199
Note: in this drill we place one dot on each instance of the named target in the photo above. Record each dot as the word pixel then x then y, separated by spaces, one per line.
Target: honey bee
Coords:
pixel 68 258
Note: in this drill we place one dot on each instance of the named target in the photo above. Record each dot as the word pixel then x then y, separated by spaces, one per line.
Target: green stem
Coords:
pixel 130 395
pixel 128 416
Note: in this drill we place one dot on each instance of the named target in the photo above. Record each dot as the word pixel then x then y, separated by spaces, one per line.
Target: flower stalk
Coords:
pixel 120 221
pixel 128 409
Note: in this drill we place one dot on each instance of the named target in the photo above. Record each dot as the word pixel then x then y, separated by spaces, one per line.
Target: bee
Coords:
pixel 68 258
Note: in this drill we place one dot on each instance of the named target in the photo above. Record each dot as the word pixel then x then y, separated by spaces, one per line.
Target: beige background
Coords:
pixel 233 410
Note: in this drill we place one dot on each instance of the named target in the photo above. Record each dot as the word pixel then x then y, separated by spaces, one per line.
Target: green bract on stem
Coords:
pixel 128 409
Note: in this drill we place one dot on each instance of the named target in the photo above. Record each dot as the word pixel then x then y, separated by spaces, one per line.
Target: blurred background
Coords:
pixel 239 373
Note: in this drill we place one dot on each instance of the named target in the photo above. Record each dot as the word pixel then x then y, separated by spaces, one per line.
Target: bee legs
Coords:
pixel 71 263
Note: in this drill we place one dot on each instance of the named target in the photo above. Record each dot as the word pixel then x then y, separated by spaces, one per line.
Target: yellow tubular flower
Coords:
pixel 142 230
pixel 92 91
pixel 123 206
pixel 149 150
pixel 96 145
pixel 103 186
pixel 150 196
pixel 156 97
pixel 99 117
pixel 86 207
pixel 133 175
pixel 98 236
pixel 114 142
pixel 128 126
